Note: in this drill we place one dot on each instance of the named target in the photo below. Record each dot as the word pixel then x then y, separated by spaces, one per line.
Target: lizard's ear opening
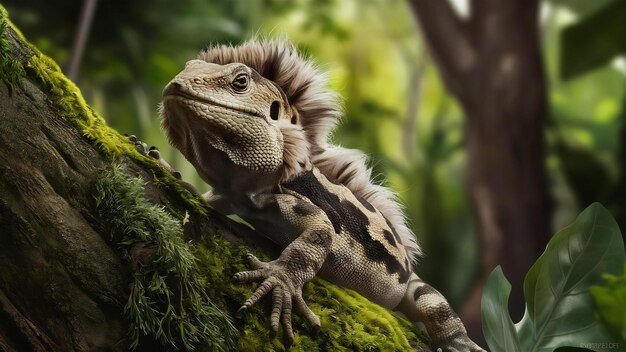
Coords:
pixel 274 110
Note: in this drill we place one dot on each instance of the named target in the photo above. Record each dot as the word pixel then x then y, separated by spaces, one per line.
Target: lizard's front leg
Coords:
pixel 297 264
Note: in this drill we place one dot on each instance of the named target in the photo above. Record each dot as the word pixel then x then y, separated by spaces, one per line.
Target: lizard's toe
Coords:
pixel 264 288
pixel 459 343
pixel 277 307
pixel 254 262
pixel 286 321
pixel 139 145
pixel 154 154
pixel 249 276
pixel 304 311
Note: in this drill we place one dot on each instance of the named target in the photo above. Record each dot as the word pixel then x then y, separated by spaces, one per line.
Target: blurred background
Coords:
pixel 496 122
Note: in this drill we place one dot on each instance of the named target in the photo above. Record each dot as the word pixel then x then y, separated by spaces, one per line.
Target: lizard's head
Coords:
pixel 231 108
pixel 261 104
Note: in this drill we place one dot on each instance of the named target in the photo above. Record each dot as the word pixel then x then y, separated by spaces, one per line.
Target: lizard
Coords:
pixel 254 121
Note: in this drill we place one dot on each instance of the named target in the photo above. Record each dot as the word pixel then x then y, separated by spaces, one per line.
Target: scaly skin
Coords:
pixel 249 138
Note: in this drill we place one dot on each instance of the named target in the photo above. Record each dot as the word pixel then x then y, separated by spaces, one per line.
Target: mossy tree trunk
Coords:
pixel 67 283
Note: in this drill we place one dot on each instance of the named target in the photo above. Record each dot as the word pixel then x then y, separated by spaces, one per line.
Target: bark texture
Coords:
pixel 491 62
pixel 63 284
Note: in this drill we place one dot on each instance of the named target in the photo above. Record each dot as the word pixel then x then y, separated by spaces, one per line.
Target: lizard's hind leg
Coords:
pixel 425 304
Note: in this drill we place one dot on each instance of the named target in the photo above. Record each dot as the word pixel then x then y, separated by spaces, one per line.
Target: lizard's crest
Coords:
pixel 318 110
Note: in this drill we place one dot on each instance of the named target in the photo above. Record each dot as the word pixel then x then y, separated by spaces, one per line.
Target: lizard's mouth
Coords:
pixel 172 91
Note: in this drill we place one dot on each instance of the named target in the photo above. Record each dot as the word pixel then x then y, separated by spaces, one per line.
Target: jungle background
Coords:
pixel 495 122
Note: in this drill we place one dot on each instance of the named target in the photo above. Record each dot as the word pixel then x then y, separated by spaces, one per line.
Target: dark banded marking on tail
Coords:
pixel 443 324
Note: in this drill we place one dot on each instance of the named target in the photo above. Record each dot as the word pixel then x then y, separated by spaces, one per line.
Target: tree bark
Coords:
pixel 491 62
pixel 64 283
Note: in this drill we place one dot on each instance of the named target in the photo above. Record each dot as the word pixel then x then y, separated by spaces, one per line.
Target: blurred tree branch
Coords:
pixel 491 62
pixel 80 38
pixel 446 35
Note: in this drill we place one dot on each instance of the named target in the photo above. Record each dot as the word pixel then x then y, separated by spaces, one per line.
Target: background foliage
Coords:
pixel 396 108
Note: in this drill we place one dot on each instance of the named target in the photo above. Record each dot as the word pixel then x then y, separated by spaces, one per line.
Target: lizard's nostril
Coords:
pixel 172 88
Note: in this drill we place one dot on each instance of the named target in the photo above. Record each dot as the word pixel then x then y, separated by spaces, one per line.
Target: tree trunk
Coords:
pixel 491 62
pixel 66 283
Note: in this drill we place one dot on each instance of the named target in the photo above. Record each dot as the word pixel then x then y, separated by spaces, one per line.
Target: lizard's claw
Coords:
pixel 286 295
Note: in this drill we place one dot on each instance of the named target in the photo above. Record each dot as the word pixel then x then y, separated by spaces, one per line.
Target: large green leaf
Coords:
pixel 559 308
pixel 497 324
pixel 594 40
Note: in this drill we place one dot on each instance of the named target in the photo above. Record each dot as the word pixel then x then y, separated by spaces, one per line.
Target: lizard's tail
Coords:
pixel 423 303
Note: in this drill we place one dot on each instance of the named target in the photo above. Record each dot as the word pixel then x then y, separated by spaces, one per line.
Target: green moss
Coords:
pixel 167 183
pixel 349 321
pixel 168 300
pixel 70 102
pixel 11 70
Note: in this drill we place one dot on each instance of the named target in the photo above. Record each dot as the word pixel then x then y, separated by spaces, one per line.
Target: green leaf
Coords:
pixel 497 324
pixel 559 309
pixel 594 40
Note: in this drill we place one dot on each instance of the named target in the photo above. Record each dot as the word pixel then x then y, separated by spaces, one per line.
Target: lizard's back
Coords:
pixel 365 244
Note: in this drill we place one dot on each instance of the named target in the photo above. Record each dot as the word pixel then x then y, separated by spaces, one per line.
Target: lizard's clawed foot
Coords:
pixel 286 295
pixel 154 153
pixel 459 343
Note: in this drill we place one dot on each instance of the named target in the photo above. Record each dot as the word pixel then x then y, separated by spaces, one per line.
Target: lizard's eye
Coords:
pixel 240 83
